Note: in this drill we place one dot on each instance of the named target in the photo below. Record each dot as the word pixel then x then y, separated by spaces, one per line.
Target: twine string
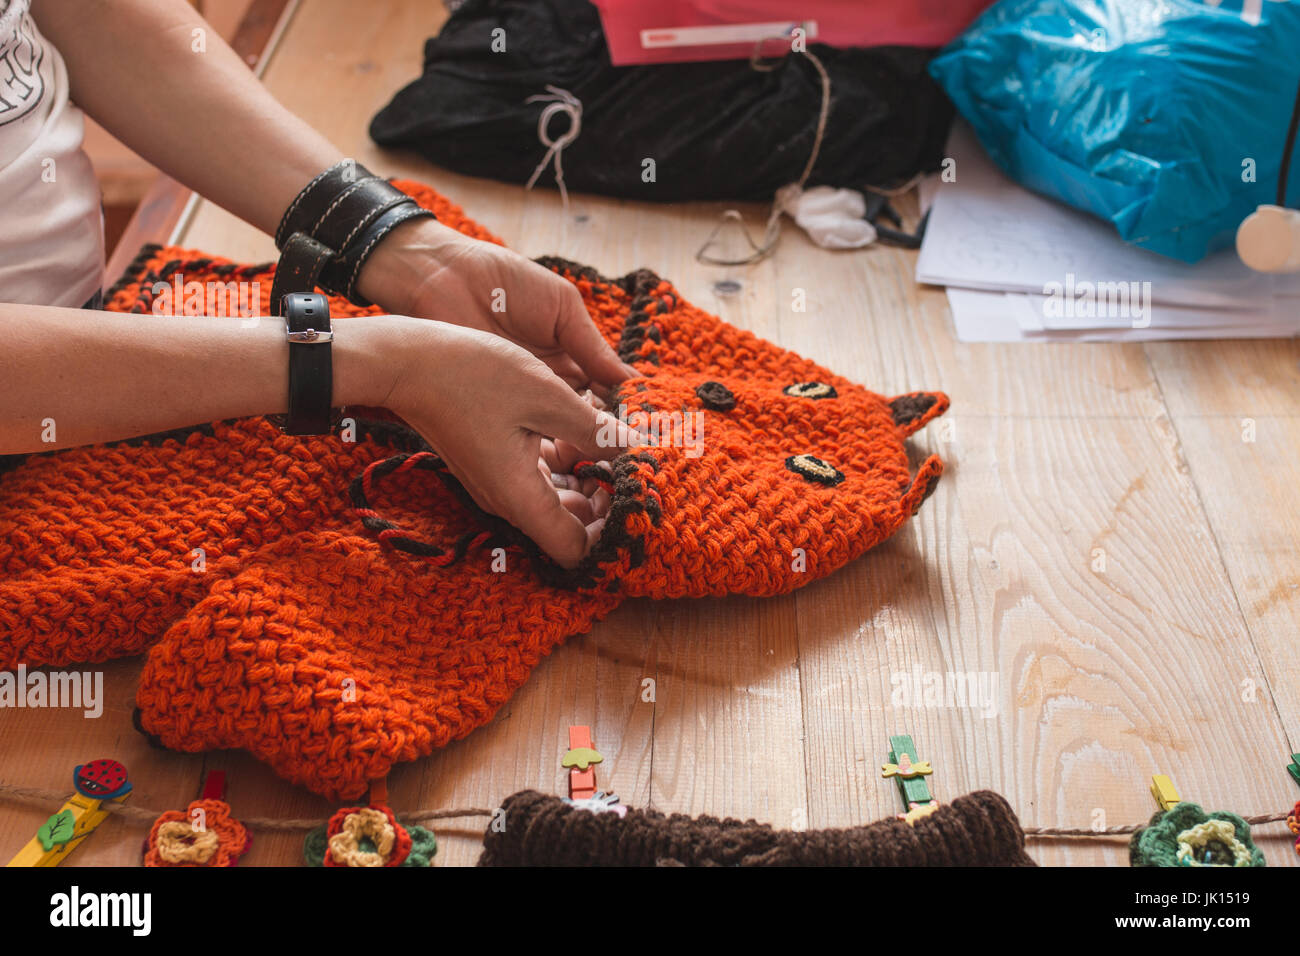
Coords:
pixel 772 231
pixel 557 101
pixel 145 817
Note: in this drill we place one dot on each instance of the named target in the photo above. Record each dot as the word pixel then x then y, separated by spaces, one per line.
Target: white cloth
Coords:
pixel 51 222
pixel 831 217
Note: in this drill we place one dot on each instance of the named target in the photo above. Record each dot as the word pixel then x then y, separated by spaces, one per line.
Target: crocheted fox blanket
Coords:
pixel 335 616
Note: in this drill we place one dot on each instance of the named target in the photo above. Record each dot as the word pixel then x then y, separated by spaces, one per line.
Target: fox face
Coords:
pixel 764 471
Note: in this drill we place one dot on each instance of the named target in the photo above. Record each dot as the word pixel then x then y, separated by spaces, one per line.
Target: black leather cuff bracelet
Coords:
pixel 341 273
pixel 346 210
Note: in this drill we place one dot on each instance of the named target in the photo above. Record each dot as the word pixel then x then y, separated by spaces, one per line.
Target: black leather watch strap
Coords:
pixel 311 367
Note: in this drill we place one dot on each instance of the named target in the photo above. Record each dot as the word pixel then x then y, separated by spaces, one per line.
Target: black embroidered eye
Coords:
pixel 810 390
pixel 716 396
pixel 814 469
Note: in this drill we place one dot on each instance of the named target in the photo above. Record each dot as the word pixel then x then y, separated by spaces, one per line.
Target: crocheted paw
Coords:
pixel 332 659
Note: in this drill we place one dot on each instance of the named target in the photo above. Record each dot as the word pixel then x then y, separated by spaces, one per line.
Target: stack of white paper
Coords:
pixel 1020 267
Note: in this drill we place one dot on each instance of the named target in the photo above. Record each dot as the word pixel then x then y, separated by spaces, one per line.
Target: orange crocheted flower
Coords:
pixel 332 654
pixel 366 836
pixel 205 834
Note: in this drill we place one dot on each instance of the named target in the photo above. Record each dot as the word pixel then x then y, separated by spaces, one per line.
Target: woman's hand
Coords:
pixel 486 405
pixel 426 269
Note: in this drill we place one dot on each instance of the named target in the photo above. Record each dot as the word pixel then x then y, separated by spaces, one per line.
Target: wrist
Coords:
pixel 405 262
pixel 370 357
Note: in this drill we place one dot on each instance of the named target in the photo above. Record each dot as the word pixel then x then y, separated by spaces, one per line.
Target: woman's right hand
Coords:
pixel 485 405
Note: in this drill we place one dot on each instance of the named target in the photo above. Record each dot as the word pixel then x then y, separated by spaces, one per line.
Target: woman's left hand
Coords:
pixel 426 269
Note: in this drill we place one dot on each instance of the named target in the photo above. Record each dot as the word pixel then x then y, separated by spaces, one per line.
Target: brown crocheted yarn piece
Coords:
pixel 979 829
pixel 330 654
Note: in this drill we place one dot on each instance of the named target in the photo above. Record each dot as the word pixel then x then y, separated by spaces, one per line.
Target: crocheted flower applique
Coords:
pixel 368 836
pixel 1186 835
pixel 204 834
pixel 1293 824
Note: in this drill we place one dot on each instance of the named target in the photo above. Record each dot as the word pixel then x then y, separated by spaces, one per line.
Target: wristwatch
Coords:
pixel 311 368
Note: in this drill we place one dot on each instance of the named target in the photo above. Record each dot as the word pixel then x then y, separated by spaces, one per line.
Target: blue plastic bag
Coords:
pixel 1166 117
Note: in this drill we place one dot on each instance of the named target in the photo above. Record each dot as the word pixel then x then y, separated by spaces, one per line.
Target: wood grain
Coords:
pixel 1177 656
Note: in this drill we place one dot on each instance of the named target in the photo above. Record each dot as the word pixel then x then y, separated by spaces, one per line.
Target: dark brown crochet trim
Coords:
pixel 979 829
pixel 908 408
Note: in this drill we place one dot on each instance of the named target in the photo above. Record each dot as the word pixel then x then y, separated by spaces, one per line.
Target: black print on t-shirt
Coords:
pixel 21 84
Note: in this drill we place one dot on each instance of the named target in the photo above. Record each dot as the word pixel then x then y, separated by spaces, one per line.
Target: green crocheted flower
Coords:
pixel 1188 836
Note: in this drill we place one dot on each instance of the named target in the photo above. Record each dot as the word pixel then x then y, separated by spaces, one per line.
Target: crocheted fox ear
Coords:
pixel 915 410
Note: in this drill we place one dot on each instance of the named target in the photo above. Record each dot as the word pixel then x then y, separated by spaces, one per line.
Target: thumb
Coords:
pixel 536 510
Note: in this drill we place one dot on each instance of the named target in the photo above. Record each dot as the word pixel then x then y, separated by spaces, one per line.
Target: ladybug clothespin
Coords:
pixel 910 773
pixel 204 834
pixel 96 783
pixel 580 760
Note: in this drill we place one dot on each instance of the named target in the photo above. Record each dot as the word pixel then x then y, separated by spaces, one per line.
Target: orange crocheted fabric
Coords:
pixel 273 619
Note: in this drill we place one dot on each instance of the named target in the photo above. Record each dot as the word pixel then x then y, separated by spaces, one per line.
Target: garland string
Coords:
pixel 143 816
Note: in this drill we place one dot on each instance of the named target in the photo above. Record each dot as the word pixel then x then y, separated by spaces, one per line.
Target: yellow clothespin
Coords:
pixel 1162 788
pixel 97 782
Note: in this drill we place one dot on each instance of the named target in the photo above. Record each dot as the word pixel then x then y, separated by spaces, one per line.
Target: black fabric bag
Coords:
pixel 716 130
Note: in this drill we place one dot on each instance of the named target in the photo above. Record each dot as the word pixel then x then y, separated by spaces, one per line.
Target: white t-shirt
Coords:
pixel 51 222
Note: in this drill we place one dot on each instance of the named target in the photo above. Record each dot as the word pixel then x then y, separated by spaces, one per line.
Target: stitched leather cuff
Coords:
pixel 346 211
pixel 341 273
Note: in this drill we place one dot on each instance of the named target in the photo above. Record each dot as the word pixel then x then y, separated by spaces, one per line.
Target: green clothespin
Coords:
pixel 1294 767
pixel 910 774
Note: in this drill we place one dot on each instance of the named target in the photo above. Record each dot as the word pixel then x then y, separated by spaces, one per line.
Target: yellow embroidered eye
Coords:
pixel 810 390
pixel 814 469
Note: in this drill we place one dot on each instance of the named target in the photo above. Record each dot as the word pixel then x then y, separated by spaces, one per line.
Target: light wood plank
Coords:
pixel 781 709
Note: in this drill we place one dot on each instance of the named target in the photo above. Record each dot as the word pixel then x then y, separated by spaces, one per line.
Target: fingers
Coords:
pixel 568 370
pixel 563 414
pixel 577 334
pixel 537 511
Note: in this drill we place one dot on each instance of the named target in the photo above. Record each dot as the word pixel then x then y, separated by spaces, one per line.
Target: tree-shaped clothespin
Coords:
pixel 1293 768
pixel 910 774
pixel 97 782
pixel 204 834
pixel 580 760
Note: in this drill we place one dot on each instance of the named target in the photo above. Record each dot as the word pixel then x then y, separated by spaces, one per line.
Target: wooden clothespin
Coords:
pixel 97 782
pixel 910 774
pixel 579 759
pixel 1162 789
pixel 214 786
pixel 1293 768
pixel 379 792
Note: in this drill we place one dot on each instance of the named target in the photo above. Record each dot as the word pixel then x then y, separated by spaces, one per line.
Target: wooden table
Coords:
pixel 1114 544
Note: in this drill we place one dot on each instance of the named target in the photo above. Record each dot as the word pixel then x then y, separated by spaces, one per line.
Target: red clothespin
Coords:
pixel 379 792
pixel 580 758
pixel 214 786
